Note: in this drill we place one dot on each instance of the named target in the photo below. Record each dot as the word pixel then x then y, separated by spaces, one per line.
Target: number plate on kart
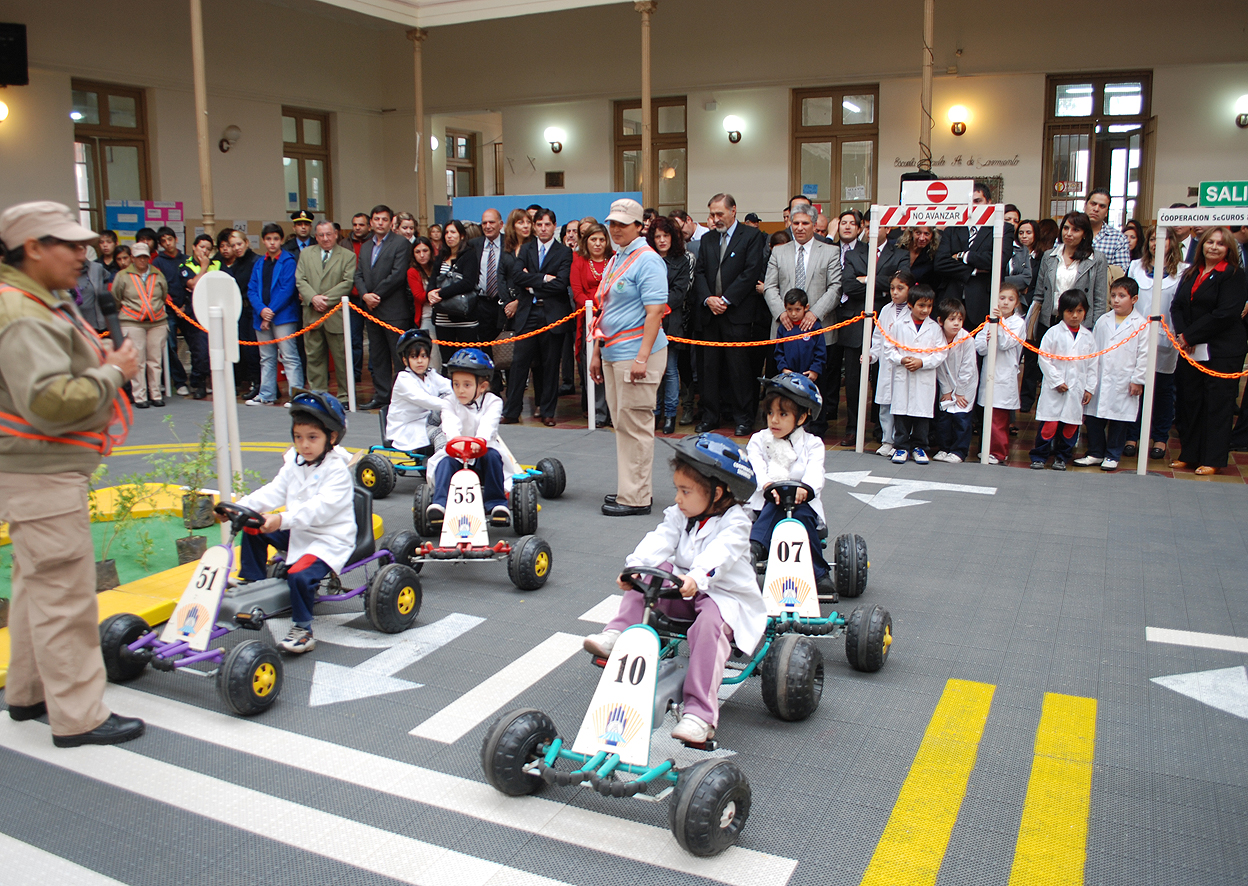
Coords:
pixel 464 522
pixel 620 718
pixel 196 612
pixel 789 585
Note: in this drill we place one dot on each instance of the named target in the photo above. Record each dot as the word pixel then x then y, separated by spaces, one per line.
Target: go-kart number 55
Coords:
pixel 464 496
pixel 783 549
pixel 636 672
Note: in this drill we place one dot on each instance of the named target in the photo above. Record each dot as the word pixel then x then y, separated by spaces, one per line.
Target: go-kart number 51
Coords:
pixel 206 578
pixel 464 495
pixel 636 672
pixel 782 551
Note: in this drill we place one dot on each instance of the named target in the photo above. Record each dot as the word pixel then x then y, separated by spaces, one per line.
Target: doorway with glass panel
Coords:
pixel 835 145
pixel 670 141
pixel 110 147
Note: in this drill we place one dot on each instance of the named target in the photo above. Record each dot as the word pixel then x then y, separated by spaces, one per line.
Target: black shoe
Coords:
pixel 1157 452
pixel 140 404
pixel 566 390
pixel 509 420
pixel 687 416
pixel 609 499
pixel 703 427
pixel 251 393
pixel 201 393
pixel 373 404
pixel 159 404
pixel 602 423
pixel 615 509
pixel 1130 449
pixel 23 712
pixel 826 589
pixel 743 430
pixel 114 730
pixel 669 425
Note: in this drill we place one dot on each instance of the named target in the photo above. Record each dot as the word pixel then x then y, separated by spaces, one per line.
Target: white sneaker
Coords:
pixel 899 456
pixel 953 458
pixel 298 640
pixel 1109 464
pixel 940 456
pixel 501 514
pixel 184 391
pixel 886 449
pixel 256 401
pixel 920 457
pixel 287 404
pixel 601 644
pixel 1088 461
pixel 993 460
pixel 693 730
pixel 435 513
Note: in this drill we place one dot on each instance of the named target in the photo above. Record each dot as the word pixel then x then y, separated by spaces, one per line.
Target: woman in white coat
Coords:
pixel 1068 385
pixel 1120 377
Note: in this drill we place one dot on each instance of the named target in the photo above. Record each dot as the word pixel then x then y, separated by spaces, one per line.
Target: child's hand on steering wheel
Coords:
pixel 272 523
pixel 688 587
pixel 623 584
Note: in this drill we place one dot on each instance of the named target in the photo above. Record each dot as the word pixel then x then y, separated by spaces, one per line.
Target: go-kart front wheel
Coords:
pixel 709 806
pixel 402 546
pixel 528 564
pixel 850 565
pixel 510 744
pixel 868 638
pixel 420 510
pixel 393 598
pixel 524 507
pixel 376 474
pixel 553 480
pixel 792 676
pixel 250 678
pixel 117 632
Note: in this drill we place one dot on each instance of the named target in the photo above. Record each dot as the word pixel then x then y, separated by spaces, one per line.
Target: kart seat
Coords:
pixel 365 544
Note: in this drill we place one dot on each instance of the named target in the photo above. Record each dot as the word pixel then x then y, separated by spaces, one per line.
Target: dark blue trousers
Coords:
pixel 489 468
pixel 770 515
pixel 953 432
pixel 302 578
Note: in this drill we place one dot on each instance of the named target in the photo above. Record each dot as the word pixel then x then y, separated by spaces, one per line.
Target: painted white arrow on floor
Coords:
pixel 896 490
pixel 1225 688
pixel 334 683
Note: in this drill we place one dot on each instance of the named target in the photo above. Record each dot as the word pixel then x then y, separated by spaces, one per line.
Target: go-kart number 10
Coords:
pixel 636 671
pixel 783 549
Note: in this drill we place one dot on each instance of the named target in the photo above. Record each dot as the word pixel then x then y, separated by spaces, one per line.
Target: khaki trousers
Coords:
pixel 149 341
pixel 632 412
pixel 54 629
pixel 319 345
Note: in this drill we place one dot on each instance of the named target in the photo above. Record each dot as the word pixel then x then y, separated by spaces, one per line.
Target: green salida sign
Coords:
pixel 1224 193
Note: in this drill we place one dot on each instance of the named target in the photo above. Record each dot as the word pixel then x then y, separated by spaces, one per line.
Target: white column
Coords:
pixel 424 154
pixel 201 117
pixel 864 405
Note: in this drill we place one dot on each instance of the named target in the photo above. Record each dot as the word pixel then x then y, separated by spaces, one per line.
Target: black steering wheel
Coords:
pixel 653 584
pixel 240 517
pixel 787 491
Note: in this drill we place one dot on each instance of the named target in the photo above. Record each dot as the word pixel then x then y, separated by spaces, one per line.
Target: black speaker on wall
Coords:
pixel 13 55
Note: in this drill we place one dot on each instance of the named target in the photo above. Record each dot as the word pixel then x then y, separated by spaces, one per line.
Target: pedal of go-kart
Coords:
pixel 598 660
pixel 708 745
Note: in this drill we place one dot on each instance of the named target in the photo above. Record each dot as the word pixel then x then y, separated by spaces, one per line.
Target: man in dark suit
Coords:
pixel 542 296
pixel 964 261
pixel 847 350
pixel 731 260
pixel 491 287
pixel 381 280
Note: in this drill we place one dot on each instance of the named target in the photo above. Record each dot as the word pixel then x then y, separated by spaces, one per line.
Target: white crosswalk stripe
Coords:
pixel 25 864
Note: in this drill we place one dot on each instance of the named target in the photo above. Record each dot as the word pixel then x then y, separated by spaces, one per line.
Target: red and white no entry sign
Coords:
pixel 937 192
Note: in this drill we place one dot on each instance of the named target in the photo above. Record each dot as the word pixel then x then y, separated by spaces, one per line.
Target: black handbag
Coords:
pixel 458 308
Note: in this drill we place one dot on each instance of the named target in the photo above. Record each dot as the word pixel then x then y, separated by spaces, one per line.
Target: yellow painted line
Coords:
pixel 149 448
pixel 914 840
pixel 1053 838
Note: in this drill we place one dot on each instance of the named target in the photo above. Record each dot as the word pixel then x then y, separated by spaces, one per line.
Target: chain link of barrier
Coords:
pixel 1070 357
pixel 771 341
pixel 472 344
pixel 1188 357
pixel 255 344
pixel 948 346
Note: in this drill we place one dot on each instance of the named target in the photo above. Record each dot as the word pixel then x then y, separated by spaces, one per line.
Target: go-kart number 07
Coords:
pixel 783 548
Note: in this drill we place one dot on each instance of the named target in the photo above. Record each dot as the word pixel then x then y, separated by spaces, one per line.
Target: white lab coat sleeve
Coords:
pixel 273 494
pixel 731 540
pixel 758 461
pixel 981 340
pixel 1140 371
pixel 659 545
pixel 1091 367
pixel 933 360
pixel 813 475
pixel 323 507
pixel 1051 369
pixel 491 415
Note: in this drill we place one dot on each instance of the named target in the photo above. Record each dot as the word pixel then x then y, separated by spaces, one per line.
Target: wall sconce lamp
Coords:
pixel 433 142
pixel 958 115
pixel 4 112
pixel 733 126
pixel 556 137
pixel 1241 112
pixel 229 138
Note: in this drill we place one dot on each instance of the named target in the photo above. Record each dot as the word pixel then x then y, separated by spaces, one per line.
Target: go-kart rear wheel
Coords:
pixel 850 565
pixel 250 678
pixel 709 807
pixel 402 545
pixel 792 676
pixel 510 744
pixel 868 638
pixel 420 510
pixel 524 507
pixel 116 633
pixel 393 598
pixel 376 474
pixel 528 564
pixel 553 480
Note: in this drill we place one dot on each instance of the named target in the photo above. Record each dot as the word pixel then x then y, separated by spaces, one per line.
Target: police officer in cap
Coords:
pixel 302 238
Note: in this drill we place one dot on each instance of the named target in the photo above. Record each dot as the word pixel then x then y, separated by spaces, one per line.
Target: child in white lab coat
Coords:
pixel 1005 379
pixel 899 292
pixel 1121 374
pixel 1067 385
pixel 419 394
pixel 956 379
pixel 317 529
pixel 916 349
pixel 705 540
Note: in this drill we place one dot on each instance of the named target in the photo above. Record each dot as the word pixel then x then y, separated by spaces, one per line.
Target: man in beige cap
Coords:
pixel 629 354
pixel 59 402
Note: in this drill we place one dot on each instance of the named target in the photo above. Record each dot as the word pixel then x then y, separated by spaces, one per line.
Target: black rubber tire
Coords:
pixel 524 507
pixel 376 474
pixel 700 803
pixel 393 598
pixel 421 500
pixel 792 676
pixel 529 563
pixel 402 545
pixel 116 633
pixel 868 638
pixel 553 480
pixel 850 565
pixel 250 679
pixel 510 744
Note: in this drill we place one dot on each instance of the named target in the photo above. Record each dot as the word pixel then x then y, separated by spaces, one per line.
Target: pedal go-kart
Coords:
pixel 463 532
pixel 249 676
pixel 849 553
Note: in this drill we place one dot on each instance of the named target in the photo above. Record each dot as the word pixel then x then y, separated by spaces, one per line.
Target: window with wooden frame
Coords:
pixel 111 157
pixel 1098 133
pixel 836 140
pixel 305 162
pixel 461 164
pixel 670 140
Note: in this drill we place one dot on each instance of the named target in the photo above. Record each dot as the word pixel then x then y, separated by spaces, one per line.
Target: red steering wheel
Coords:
pixel 466 448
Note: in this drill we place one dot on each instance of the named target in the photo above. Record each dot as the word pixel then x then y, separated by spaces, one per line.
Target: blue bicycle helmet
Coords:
pixel 715 456
pixel 798 388
pixel 472 360
pixel 323 408
pixel 411 339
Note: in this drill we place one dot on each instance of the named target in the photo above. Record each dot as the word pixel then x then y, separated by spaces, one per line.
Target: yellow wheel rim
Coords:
pixel 888 639
pixel 542 564
pixel 407 600
pixel 263 679
pixel 368 477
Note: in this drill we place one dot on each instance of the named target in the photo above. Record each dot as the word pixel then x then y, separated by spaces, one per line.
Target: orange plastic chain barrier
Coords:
pixel 1069 357
pixel 948 346
pixel 771 341
pixel 273 341
pixel 1188 357
pixel 471 344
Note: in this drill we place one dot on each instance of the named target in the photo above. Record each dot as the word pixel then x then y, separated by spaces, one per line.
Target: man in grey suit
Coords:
pixel 323 276
pixel 381 280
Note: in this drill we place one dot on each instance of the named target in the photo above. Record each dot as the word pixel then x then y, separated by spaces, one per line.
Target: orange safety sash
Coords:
pixel 604 291
pixel 147 295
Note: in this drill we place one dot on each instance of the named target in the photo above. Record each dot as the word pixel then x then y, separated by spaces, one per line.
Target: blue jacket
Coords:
pixel 801 354
pixel 283 300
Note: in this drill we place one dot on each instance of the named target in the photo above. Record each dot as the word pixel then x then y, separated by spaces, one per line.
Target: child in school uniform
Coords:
pixel 890 314
pixel 956 378
pixel 317 529
pixel 1120 377
pixel 705 540
pixel 474 412
pixel 785 451
pixel 914 374
pixel 808 355
pixel 1067 386
pixel 1005 379
pixel 419 393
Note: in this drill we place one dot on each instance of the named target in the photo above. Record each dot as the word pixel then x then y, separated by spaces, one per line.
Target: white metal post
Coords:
pixel 590 394
pixel 216 359
pixel 231 417
pixel 1154 331
pixel 994 326
pixel 864 405
pixel 347 320
pixel 165 361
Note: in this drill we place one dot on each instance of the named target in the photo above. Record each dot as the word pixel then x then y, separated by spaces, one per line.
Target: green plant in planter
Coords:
pixel 192 471
pixel 129 494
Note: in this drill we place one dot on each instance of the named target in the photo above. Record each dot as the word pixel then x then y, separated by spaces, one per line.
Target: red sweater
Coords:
pixel 416 283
